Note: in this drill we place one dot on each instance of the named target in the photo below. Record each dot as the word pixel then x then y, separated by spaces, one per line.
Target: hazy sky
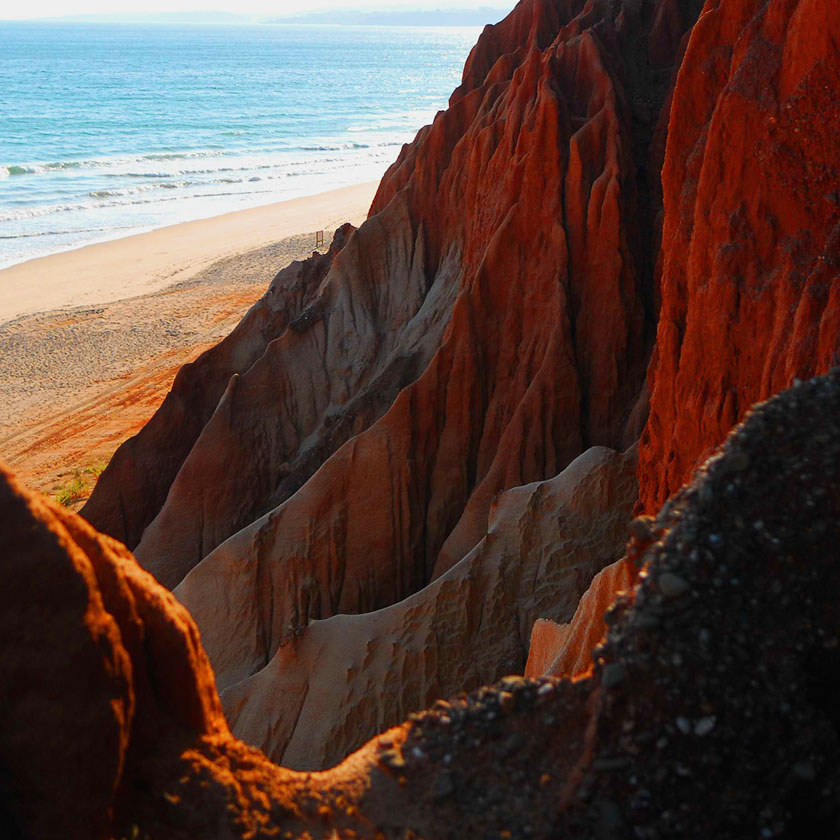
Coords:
pixel 63 8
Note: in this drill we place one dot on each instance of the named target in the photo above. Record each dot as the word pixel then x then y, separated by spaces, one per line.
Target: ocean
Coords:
pixel 112 129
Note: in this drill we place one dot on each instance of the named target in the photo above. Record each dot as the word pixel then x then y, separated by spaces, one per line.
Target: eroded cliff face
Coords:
pixel 491 321
pixel 138 477
pixel 336 683
pixel 750 281
pixel 714 677
pixel 751 240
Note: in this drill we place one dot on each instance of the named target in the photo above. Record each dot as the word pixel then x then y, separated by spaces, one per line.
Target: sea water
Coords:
pixel 111 129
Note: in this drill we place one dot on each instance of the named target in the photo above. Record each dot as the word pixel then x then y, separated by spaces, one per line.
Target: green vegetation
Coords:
pixel 79 485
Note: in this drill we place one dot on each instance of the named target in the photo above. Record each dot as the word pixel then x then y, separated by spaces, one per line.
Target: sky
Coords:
pixel 64 8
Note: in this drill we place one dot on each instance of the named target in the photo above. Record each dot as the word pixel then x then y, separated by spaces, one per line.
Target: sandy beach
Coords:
pixel 149 262
pixel 90 339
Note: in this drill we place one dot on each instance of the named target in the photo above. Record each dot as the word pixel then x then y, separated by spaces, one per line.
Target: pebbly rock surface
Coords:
pixel 709 711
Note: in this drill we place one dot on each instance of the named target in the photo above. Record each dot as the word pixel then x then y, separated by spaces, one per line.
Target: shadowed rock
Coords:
pixel 334 684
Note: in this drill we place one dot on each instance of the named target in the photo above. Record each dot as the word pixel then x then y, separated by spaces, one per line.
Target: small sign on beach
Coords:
pixel 319 239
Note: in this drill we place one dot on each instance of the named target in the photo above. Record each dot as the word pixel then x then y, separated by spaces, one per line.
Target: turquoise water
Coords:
pixel 109 129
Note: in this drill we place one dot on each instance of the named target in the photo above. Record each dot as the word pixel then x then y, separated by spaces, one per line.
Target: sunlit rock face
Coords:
pixel 751 238
pixel 750 259
pixel 491 320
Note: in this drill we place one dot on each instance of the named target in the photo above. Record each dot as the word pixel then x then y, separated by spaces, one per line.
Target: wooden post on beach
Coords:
pixel 319 239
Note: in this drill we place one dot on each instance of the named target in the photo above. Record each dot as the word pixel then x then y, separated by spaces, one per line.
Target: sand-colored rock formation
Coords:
pixel 331 686
pixel 565 649
pixel 706 713
pixel 751 240
pixel 136 481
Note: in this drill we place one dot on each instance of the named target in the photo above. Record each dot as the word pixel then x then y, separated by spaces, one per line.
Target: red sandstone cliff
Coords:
pixel 750 281
pixel 751 239
pixel 500 288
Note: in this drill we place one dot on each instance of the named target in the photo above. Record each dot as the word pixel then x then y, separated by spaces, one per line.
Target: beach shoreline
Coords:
pixel 87 361
pixel 145 263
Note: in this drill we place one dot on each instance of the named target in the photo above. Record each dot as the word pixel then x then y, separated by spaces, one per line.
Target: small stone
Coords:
pixel 737 462
pixel 672 586
pixel 604 764
pixel 507 701
pixel 642 528
pixel 513 683
pixel 614 674
pixel 444 786
pixel 647 621
pixel 514 742
pixel 610 822
pixel 805 770
pixel 705 725
pixel 545 689
pixel 684 725
pixel 392 759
